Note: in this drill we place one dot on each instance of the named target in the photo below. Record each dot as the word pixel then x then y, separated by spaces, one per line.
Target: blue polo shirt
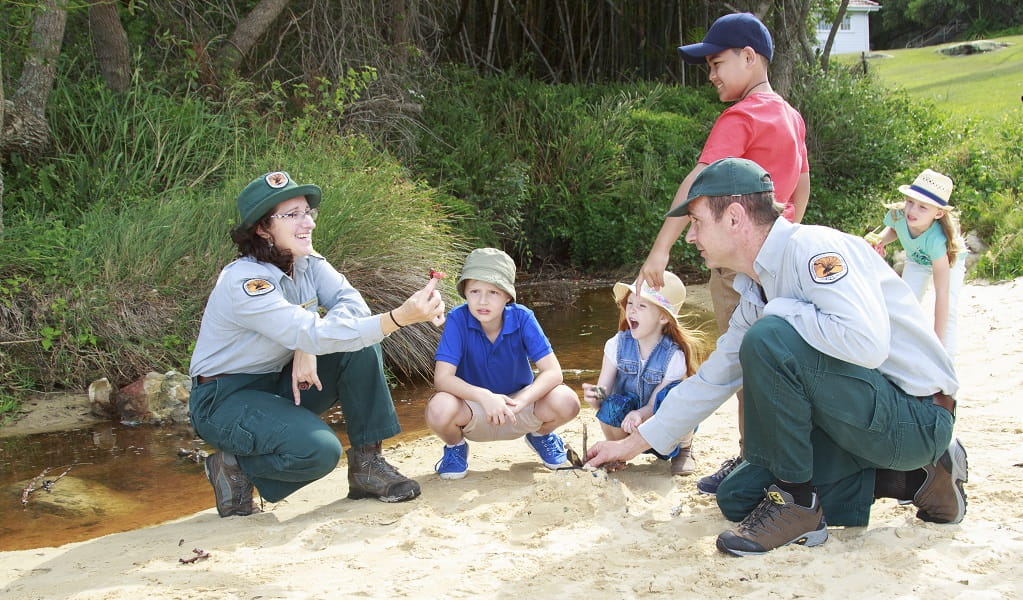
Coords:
pixel 503 367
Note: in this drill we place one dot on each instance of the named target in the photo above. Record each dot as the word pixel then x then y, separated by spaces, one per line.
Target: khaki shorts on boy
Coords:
pixel 478 429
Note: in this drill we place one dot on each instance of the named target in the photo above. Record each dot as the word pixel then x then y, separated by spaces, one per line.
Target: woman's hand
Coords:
pixel 303 374
pixel 424 305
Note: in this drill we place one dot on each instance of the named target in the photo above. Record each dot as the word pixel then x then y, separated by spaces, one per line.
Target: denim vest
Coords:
pixel 630 379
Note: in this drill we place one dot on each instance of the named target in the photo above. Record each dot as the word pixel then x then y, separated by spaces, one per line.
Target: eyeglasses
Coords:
pixel 298 214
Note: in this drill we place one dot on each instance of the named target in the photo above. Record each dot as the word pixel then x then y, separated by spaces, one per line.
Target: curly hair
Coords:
pixel 250 243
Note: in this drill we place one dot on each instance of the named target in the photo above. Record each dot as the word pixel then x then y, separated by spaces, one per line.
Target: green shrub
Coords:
pixel 861 139
pixel 575 175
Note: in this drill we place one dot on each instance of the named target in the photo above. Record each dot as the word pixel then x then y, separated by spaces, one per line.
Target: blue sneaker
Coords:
pixel 710 483
pixel 550 448
pixel 454 463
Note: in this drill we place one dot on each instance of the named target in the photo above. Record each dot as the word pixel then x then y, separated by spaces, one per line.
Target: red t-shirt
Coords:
pixel 764 128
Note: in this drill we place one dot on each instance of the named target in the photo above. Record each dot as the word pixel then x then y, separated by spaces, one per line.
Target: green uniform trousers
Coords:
pixel 812 417
pixel 282 447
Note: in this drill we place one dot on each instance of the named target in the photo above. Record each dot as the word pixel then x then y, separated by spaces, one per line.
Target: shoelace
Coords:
pixel 377 461
pixel 550 444
pixel 727 467
pixel 756 519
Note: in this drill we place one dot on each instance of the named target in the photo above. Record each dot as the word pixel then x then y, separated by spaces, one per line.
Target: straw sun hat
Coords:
pixel 930 187
pixel 670 297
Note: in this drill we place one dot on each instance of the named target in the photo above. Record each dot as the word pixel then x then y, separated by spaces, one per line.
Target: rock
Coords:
pixel 155 399
pixel 71 496
pixel 100 404
pixel 976 247
pixel 974 47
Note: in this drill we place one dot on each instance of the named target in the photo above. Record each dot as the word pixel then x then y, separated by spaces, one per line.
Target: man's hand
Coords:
pixel 619 451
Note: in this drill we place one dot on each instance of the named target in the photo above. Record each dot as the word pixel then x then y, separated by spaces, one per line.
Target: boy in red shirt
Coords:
pixel 761 126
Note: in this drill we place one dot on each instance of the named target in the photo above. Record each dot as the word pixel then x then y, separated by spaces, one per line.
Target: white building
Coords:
pixel 854 33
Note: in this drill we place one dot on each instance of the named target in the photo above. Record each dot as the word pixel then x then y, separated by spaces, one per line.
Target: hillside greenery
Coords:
pixel 115 236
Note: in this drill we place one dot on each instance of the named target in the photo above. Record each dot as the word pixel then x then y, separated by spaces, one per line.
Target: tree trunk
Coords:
pixel 25 126
pixel 111 44
pixel 792 49
pixel 826 52
pixel 252 27
pixel 3 103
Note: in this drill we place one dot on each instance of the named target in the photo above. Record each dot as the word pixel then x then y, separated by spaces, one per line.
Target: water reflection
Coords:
pixel 144 481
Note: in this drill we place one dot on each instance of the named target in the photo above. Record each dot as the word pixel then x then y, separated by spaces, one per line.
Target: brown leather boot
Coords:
pixel 232 489
pixel 683 463
pixel 370 476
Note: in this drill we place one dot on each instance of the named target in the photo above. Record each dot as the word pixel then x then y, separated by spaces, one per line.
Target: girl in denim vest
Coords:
pixel 650 354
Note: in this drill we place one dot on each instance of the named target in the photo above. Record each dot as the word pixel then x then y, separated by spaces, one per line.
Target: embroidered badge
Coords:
pixel 828 267
pixel 277 179
pixel 257 287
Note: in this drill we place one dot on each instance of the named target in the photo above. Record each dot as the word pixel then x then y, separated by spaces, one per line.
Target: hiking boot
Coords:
pixel 710 483
pixel 683 462
pixel 454 463
pixel 777 521
pixel 550 448
pixel 941 498
pixel 370 476
pixel 232 489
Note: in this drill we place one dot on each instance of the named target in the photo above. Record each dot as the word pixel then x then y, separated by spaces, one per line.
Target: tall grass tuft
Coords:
pixel 108 275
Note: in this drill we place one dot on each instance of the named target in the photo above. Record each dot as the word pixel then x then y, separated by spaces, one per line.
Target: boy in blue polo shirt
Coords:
pixel 486 390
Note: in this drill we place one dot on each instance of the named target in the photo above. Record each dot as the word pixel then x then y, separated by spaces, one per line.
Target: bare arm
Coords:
pixel 652 271
pixel 549 377
pixel 606 380
pixel 941 270
pixel 800 197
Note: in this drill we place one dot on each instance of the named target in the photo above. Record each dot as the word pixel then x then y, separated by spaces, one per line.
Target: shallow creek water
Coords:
pixel 138 479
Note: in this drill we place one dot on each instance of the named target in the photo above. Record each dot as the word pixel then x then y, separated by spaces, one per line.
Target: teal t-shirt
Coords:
pixel 922 249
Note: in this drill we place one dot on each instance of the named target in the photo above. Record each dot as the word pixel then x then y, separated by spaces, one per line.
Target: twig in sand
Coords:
pixel 200 554
pixel 43 484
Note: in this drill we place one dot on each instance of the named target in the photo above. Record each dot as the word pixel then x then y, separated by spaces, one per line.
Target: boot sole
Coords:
pixel 809 539
pixel 359 495
pixel 960 474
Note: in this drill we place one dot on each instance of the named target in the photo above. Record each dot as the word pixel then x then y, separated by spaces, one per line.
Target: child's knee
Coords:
pixel 442 409
pixel 566 401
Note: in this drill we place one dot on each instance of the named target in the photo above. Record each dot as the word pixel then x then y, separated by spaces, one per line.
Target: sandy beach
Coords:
pixel 513 529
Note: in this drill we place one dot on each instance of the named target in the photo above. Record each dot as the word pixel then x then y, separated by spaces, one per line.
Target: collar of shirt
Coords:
pixel 508 325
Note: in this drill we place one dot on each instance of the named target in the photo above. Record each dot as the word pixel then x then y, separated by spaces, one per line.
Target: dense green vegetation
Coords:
pixel 114 236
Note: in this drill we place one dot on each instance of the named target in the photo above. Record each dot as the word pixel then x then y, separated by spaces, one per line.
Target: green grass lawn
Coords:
pixel 986 87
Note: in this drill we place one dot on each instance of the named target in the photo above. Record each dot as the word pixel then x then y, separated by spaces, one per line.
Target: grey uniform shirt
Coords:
pixel 842 298
pixel 257 316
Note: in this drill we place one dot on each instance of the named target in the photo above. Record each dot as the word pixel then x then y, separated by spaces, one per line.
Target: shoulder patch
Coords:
pixel 828 267
pixel 258 287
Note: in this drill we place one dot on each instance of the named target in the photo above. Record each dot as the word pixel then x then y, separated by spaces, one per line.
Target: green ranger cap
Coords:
pixel 726 177
pixel 265 192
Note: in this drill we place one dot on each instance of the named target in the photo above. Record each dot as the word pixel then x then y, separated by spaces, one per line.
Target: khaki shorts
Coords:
pixel 723 296
pixel 478 429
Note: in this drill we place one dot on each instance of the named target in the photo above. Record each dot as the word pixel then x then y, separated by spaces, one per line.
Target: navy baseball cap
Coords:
pixel 736 30
pixel 726 177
